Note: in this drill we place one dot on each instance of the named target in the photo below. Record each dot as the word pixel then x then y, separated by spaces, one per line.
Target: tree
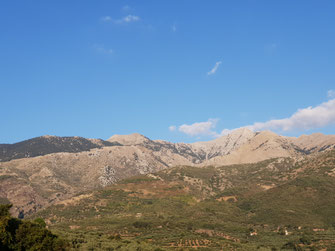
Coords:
pixel 16 234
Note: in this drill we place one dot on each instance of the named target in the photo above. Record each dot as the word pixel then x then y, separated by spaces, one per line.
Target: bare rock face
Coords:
pixel 262 146
pixel 129 140
pixel 225 144
pixel 108 176
pixel 54 175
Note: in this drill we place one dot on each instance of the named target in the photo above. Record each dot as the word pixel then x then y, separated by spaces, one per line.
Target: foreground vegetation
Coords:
pixel 272 205
pixel 16 234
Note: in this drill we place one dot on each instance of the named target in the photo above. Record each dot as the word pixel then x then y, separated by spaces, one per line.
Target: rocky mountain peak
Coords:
pixel 225 144
pixel 240 134
pixel 128 140
pixel 242 131
pixel 268 134
pixel 48 136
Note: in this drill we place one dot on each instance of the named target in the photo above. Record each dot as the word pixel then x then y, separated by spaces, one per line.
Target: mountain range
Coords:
pixel 275 204
pixel 212 194
pixel 45 170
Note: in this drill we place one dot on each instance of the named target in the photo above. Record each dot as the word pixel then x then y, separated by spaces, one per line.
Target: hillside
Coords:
pixel 49 144
pixel 273 204
pixel 33 183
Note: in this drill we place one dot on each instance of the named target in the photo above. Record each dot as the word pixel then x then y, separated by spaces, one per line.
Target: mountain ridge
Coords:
pixel 32 183
pixel 203 150
pixel 47 144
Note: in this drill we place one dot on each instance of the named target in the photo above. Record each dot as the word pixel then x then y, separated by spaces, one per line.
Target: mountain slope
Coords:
pixel 316 142
pixel 210 207
pixel 261 146
pixel 33 183
pixel 49 144
pixel 225 144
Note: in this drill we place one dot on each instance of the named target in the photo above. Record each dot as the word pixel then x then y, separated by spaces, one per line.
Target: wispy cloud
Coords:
pixel 128 19
pixel 172 128
pixel 331 94
pixel 215 68
pixel 198 128
pixel 106 19
pixel 101 49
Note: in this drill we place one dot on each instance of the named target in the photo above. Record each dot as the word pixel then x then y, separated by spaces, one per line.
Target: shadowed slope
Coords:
pixel 49 144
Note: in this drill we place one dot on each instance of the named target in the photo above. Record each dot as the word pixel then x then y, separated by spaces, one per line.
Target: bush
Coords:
pixel 40 222
pixel 141 224
pixel 16 234
pixel 305 240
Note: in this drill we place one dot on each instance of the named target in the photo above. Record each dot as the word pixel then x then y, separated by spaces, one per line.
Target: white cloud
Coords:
pixel 331 94
pixel 215 68
pixel 172 128
pixel 200 128
pixel 128 19
pixel 106 19
pixel 303 119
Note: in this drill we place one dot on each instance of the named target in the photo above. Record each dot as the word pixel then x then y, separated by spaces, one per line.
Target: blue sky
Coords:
pixel 98 68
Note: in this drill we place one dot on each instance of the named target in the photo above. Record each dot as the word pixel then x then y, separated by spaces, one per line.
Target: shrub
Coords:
pixel 305 240
pixel 141 224
pixel 16 234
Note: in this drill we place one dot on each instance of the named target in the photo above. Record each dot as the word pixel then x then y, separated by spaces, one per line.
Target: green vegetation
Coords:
pixel 26 235
pixel 137 179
